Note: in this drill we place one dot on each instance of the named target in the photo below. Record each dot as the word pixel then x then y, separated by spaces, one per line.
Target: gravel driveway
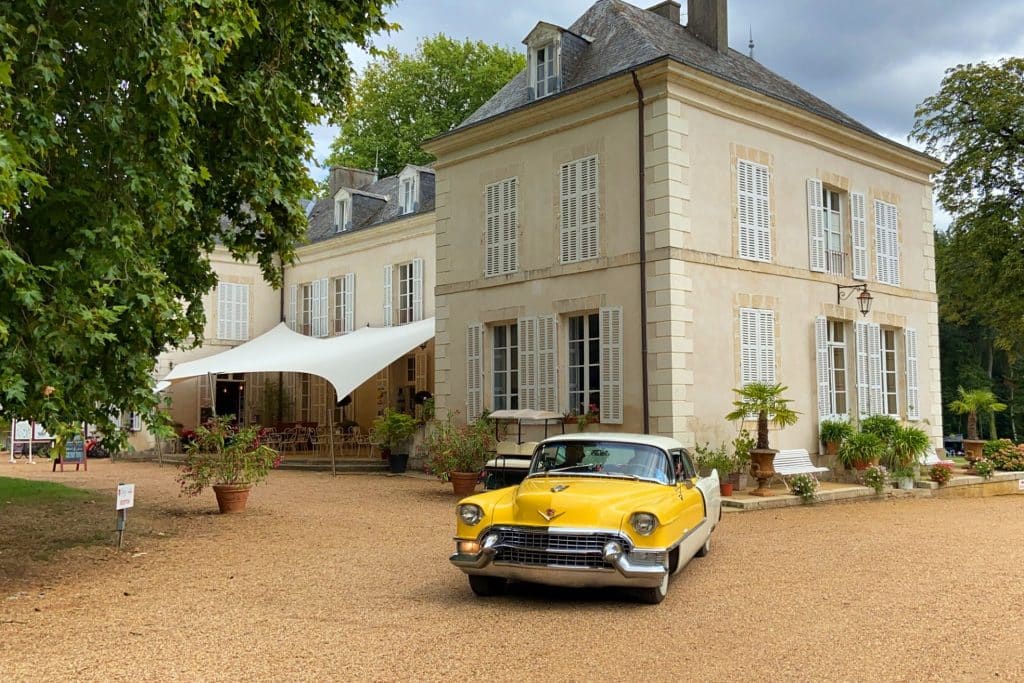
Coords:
pixel 347 578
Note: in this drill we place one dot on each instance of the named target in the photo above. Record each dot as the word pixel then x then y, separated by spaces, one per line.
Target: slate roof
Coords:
pixel 626 37
pixel 369 211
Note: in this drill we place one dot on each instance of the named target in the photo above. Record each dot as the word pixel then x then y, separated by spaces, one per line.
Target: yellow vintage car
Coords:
pixel 626 510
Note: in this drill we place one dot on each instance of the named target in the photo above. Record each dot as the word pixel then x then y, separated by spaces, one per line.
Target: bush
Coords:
pixel 861 448
pixel 458 448
pixel 1008 458
pixel 992 447
pixel 984 468
pixel 876 477
pixel 906 445
pixel 804 485
pixel 882 426
pixel 834 431
pixel 941 473
pixel 220 453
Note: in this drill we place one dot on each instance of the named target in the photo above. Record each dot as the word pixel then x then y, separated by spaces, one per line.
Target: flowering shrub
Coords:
pixel 984 468
pixel 458 448
pixel 941 473
pixel 1005 456
pixel 804 485
pixel 220 453
pixel 994 446
pixel 876 477
pixel 584 416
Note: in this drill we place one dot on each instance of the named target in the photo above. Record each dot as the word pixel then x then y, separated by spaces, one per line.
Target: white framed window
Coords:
pixel 890 398
pixel 505 366
pixel 754 208
pixel 584 362
pixel 407 193
pixel 837 374
pixel 405 293
pixel 544 70
pixel 232 311
pixel 835 256
pixel 501 249
pixel 342 214
pixel 757 346
pixel 344 303
pixel 306 310
pixel 887 243
pixel 579 214
pixel 869 369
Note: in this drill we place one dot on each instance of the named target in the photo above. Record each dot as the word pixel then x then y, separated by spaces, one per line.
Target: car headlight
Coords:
pixel 470 514
pixel 644 523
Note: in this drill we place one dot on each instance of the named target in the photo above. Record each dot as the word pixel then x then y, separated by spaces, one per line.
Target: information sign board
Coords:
pixel 125 496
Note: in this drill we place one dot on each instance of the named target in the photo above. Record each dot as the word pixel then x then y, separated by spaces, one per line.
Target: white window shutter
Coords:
pixel 589 209
pixel 754 211
pixel 388 270
pixel 748 346
pixel 492 233
pixel 816 225
pixel 292 304
pixel 861 330
pixel 222 310
pixel 894 245
pixel 859 236
pixel 875 368
pixel 134 421
pixel 474 371
pixel 913 391
pixel 547 363
pixel 611 365
pixel 527 328
pixel 242 321
pixel 509 256
pixel 320 307
pixel 569 229
pixel 766 343
pixel 417 289
pixel 887 248
pixel 823 365
pixel 349 301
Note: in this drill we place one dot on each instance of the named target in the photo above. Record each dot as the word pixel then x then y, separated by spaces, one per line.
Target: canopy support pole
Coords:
pixel 330 432
pixel 12 439
pixel 213 393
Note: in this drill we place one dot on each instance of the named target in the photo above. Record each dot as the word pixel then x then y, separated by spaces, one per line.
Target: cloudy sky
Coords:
pixel 873 59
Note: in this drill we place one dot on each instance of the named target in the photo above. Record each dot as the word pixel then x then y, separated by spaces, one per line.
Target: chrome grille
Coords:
pixel 540 547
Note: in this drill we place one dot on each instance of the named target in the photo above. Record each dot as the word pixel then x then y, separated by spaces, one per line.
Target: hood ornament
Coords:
pixel 559 487
pixel 549 514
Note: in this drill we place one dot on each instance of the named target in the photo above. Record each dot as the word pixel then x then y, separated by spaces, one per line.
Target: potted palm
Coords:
pixel 229 460
pixel 832 433
pixel 975 403
pixel 860 450
pixel 391 432
pixel 457 453
pixel 763 400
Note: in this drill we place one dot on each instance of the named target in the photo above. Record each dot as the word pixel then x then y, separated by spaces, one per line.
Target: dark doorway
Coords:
pixel 230 397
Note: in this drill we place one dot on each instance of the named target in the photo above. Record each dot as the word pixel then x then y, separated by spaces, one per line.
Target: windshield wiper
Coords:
pixel 588 466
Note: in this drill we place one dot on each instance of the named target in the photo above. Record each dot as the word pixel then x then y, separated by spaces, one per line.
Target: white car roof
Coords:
pixel 663 442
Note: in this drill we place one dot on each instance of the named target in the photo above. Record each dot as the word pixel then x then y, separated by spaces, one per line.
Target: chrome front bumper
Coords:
pixel 624 571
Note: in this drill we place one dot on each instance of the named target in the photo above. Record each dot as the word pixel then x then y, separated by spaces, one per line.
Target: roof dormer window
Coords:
pixel 342 212
pixel 408 191
pixel 545 70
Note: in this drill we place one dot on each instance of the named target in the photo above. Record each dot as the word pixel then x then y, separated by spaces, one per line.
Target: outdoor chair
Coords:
pixel 794 461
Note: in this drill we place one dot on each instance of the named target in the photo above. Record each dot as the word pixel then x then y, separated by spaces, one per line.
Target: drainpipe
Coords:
pixel 643 253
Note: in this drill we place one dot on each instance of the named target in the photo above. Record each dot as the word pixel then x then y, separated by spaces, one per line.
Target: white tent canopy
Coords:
pixel 345 362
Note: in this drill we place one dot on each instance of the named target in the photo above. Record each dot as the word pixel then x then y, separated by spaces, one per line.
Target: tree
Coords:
pixel 134 137
pixel 974 404
pixel 402 100
pixel 976 124
pixel 766 401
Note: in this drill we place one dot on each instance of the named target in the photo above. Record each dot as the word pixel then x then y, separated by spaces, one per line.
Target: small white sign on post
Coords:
pixel 125 496
pixel 1020 484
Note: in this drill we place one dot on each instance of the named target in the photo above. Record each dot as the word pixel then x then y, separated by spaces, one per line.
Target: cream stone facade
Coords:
pixel 709 298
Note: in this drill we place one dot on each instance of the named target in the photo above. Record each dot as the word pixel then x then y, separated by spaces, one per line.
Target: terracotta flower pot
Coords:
pixel 464 483
pixel 726 488
pixel 231 497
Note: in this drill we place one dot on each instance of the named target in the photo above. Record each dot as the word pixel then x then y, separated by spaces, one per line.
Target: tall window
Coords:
pixel 306 322
pixel 405 293
pixel 341 215
pixel 232 311
pixel 890 404
pixel 506 367
pixel 408 195
pixel 545 71
pixel 757 346
pixel 835 258
pixel 754 210
pixel 838 387
pixel 501 251
pixel 584 362
pixel 344 303
pixel 887 243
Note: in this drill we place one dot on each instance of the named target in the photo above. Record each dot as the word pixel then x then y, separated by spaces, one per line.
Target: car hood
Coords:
pixel 581 502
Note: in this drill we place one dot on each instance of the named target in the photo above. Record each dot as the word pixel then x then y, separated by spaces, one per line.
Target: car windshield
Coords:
pixel 602 459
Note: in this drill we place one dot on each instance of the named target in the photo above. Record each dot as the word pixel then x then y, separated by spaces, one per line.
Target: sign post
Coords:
pixel 125 500
pixel 73 452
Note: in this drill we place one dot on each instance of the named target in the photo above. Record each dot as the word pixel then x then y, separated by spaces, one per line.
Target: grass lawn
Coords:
pixel 39 519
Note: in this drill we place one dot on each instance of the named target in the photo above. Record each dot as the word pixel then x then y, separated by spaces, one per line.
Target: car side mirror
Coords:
pixel 688 483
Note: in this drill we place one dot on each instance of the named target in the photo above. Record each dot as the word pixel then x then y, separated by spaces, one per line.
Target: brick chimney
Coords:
pixel 668 9
pixel 351 178
pixel 707 20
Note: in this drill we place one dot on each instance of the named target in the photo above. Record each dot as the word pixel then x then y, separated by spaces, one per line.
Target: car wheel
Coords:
pixel 706 548
pixel 486 586
pixel 652 596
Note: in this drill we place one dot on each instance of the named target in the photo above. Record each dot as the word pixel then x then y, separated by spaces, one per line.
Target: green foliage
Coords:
pixel 834 431
pixel 861 448
pixel 763 399
pixel 715 459
pixel 876 477
pixel 882 426
pixel 974 404
pixel 392 430
pixel 905 446
pixel 127 132
pixel 803 485
pixel 741 447
pixel 984 468
pixel 402 100
pixel 23 491
pixel 941 473
pixel 1006 457
pixel 221 454
pixel 994 446
pixel 453 447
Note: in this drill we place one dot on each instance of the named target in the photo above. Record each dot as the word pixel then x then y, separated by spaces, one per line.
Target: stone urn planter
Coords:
pixel 231 497
pixel 973 449
pixel 762 468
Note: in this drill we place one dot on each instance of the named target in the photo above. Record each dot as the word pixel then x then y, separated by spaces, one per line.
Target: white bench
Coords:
pixel 931 457
pixel 794 461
